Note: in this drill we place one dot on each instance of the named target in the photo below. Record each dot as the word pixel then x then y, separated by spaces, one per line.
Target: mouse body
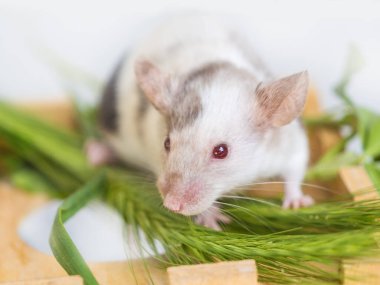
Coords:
pixel 193 103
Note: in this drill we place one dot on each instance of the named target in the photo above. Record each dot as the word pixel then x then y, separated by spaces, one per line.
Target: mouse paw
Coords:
pixel 98 153
pixel 211 218
pixel 297 202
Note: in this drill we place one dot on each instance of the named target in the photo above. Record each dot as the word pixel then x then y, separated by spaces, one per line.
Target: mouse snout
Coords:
pixel 173 203
pixel 179 195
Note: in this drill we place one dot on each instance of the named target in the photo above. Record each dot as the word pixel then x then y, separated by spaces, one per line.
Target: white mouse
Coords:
pixel 193 104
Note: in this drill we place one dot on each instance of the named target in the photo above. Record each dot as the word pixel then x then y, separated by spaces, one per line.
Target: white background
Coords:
pixel 290 36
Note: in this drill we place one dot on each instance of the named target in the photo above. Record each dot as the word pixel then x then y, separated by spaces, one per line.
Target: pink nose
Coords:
pixel 173 203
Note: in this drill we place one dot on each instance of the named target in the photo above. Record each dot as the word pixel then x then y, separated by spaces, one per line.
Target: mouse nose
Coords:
pixel 173 203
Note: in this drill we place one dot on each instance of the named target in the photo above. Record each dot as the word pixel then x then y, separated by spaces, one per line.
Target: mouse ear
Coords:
pixel 154 83
pixel 281 101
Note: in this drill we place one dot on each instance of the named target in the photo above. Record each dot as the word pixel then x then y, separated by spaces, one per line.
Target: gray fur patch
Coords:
pixel 142 109
pixel 186 105
pixel 185 110
pixel 107 109
pixel 206 73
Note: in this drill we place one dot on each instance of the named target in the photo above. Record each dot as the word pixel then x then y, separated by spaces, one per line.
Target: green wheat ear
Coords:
pixel 282 257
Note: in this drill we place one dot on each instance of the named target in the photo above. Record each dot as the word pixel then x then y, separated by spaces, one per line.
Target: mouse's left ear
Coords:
pixel 155 84
pixel 280 102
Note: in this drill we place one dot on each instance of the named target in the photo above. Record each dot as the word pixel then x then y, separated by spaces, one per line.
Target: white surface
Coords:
pixel 290 35
pixel 97 231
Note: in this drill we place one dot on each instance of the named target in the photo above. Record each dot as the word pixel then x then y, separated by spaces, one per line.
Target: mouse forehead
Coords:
pixel 216 92
pixel 219 121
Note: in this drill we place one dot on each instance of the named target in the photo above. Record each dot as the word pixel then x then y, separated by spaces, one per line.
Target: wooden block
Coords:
pixel 221 273
pixel 59 113
pixel 361 273
pixel 312 107
pixel 322 138
pixel 68 280
pixel 357 181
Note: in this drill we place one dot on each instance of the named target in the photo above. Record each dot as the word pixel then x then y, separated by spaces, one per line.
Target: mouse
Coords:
pixel 194 104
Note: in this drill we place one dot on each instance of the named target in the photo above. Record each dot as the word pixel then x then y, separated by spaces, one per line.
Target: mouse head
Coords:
pixel 217 117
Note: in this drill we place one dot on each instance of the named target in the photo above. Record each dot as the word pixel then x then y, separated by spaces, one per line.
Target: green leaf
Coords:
pixel 373 143
pixel 354 63
pixel 369 131
pixel 334 120
pixel 33 181
pixel 372 146
pixel 44 128
pixel 365 117
pixel 328 167
pixel 45 139
pixel 86 116
pixel 373 171
pixel 61 244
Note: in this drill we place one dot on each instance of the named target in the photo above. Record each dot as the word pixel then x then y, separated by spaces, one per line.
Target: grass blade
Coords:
pixel 61 244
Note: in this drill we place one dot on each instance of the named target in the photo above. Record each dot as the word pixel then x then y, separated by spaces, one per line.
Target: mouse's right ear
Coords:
pixel 155 84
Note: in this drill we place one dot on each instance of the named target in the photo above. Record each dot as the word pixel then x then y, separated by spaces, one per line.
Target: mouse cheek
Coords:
pixel 194 200
pixel 200 206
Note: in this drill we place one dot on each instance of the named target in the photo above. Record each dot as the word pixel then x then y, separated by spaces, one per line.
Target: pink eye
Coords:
pixel 167 144
pixel 220 151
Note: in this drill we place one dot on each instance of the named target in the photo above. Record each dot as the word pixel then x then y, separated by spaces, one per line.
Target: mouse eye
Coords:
pixel 220 151
pixel 167 144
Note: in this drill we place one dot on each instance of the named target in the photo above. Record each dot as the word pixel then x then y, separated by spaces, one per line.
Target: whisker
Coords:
pixel 251 199
pixel 252 187
pixel 237 221
pixel 250 213
pixel 315 186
